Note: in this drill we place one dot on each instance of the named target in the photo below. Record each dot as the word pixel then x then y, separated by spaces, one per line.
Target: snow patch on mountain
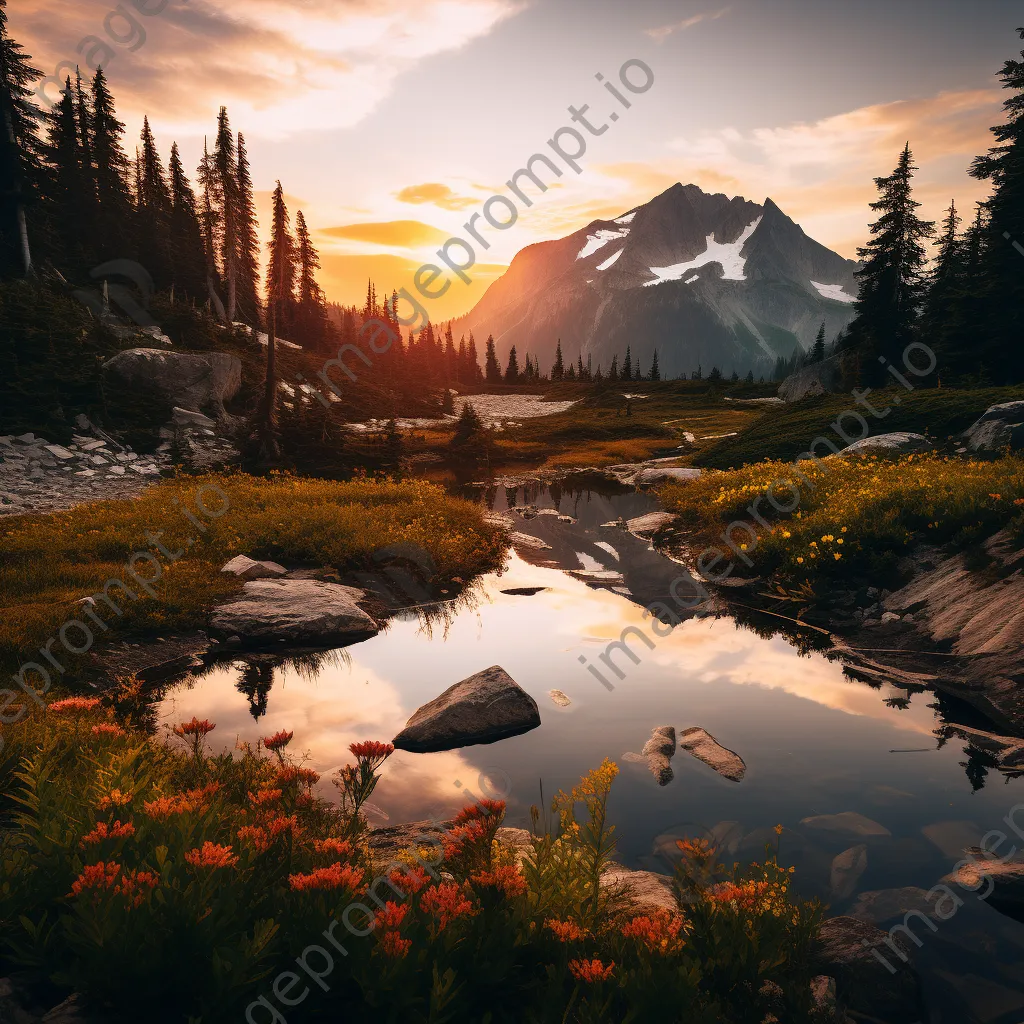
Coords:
pixel 834 291
pixel 600 239
pixel 627 219
pixel 726 253
pixel 611 259
pixel 690 280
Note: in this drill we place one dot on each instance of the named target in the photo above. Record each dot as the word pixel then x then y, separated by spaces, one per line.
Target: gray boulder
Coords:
pixel 665 475
pixel 304 612
pixel 193 381
pixel 982 874
pixel 706 748
pixel 846 823
pixel 659 750
pixel 998 427
pixel 846 870
pixel 487 706
pixel 822 378
pixel 897 443
pixel 246 568
pixel 638 892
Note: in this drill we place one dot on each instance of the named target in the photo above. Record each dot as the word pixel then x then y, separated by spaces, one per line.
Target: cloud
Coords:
pixel 406 234
pixel 436 193
pixel 280 67
pixel 660 34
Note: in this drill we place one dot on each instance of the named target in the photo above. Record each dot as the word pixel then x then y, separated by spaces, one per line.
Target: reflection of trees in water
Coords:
pixel 439 616
pixel 257 672
pixel 255 681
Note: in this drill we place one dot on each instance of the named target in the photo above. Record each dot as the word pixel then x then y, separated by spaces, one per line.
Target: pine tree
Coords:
pixel 474 375
pixel 945 284
pixel 655 371
pixel 226 200
pixel 892 279
pixel 311 315
pixel 512 370
pixel 613 370
pixel 749 379
pixel 248 244
pixel 84 117
pixel 492 369
pixel 188 257
pixel 818 350
pixel 114 220
pixel 1002 325
pixel 627 366
pixel 570 374
pixel 153 205
pixel 579 367
pixel 21 166
pixel 66 186
pixel 450 368
pixel 715 374
pixel 734 377
pixel 558 368
pixel 280 290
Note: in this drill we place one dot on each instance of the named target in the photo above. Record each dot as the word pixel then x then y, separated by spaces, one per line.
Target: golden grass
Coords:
pixel 51 562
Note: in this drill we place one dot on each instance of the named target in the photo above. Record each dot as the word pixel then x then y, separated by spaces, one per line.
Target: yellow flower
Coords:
pixel 840 540
pixel 778 830
pixel 786 533
pixel 837 556
pixel 800 560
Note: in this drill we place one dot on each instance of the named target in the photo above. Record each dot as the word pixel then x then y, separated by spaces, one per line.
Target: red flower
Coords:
pixel 590 970
pixel 333 877
pixel 391 916
pixel 278 741
pixel 104 831
pixel 290 773
pixel 96 876
pixel 108 729
pixel 566 931
pixel 73 705
pixel 279 825
pixel 371 751
pixel 115 798
pixel 506 879
pixel 194 728
pixel 463 837
pixel 481 810
pixel 265 796
pixel 257 835
pixel 192 800
pixel 338 847
pixel 394 946
pixel 137 885
pixel 212 856
pixel 658 932
pixel 411 880
pixel 446 902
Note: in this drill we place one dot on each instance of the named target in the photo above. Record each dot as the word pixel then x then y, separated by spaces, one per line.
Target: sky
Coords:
pixel 391 122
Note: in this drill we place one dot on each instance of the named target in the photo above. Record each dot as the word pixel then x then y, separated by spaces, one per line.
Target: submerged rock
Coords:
pixel 706 748
pixel 246 568
pixel 659 750
pixel 559 698
pixel 1006 880
pixel 487 706
pixel 847 868
pixel 301 612
pixel 884 904
pixel 848 823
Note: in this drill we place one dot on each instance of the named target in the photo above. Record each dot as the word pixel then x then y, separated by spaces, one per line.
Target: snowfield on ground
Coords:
pixel 611 259
pixel 494 410
pixel 834 291
pixel 726 253
pixel 600 239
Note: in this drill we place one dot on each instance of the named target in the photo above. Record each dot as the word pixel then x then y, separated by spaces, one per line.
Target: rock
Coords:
pixel 297 611
pixel 642 892
pixel 706 748
pixel 846 823
pixel 815 379
pixel 190 380
pixel 884 904
pixel 847 868
pixel 896 443
pixel 487 706
pixel 246 568
pixel 559 698
pixel 889 617
pixel 648 525
pixel 524 591
pixel 68 1012
pixel 1005 879
pixel 596 575
pixel 659 750
pixel 823 995
pixel 952 837
pixel 668 474
pixel 526 541
pixel 998 427
pixel 186 418
pixel 519 840
pixel 846 951
pixel 59 452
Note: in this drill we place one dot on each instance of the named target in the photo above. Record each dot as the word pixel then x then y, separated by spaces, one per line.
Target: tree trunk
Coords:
pixel 269 449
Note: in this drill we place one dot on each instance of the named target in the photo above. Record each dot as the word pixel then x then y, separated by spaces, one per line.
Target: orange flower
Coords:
pixel 278 741
pixel 108 729
pixel 590 970
pixel 73 705
pixel 279 825
pixel 371 751
pixel 104 831
pixel 190 801
pixel 257 836
pixel 566 931
pixel 391 916
pixel 212 856
pixel 338 847
pixel 96 876
pixel 265 796
pixel 481 810
pixel 446 902
pixel 411 880
pixel 658 932
pixel 463 836
pixel 137 885
pixel 394 946
pixel 194 728
pixel 115 798
pixel 506 879
pixel 290 773
pixel 333 877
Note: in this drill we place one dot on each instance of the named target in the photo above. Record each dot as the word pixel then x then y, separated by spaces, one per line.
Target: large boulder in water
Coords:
pixel 487 706
pixel 822 378
pixel 193 381
pixel 300 612
pixel 998 427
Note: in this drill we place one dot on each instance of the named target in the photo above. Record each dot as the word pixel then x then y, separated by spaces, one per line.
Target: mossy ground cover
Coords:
pixel 51 562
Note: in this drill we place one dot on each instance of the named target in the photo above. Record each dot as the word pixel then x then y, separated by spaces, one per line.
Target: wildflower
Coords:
pixel 96 876
pixel 333 877
pixel 799 559
pixel 786 534
pixel 279 825
pixel 777 830
pixel 265 796
pixel 842 529
pixel 290 773
pixel 211 855
pixel 391 916
pixel 137 885
pixel 839 540
pixel 446 902
pixel 195 728
pixel 192 800
pixel 463 837
pixel 566 931
pixel 507 879
pixel 257 835
pixel 659 932
pixel 411 880
pixel 108 729
pixel 102 831
pixel 278 741
pixel 480 810
pixel 836 555
pixel 338 847
pixel 372 751
pixel 590 970
pixel 115 798
pixel 394 946
pixel 73 705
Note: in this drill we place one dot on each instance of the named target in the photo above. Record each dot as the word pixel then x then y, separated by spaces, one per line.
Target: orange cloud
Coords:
pixel 436 193
pixel 660 34
pixel 406 234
